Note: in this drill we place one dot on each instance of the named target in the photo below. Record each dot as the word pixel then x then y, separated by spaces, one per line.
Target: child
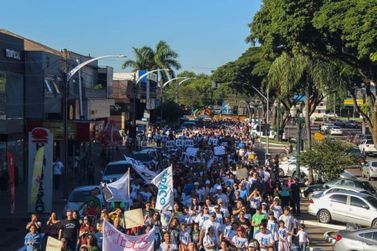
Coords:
pixel 283 237
pixel 303 239
pixel 184 237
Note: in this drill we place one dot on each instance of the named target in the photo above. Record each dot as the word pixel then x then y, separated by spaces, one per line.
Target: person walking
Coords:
pixel 33 239
pixel 58 171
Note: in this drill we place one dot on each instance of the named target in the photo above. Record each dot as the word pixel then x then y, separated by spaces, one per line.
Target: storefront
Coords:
pixel 11 109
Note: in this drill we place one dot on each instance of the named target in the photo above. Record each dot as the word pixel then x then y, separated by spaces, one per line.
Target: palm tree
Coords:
pixel 299 74
pixel 162 57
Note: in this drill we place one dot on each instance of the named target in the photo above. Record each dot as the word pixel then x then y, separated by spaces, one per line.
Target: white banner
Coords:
pixel 170 143
pixel 189 143
pixel 219 150
pixel 192 151
pixel 114 240
pixel 118 190
pixel 165 196
pixel 142 170
pixel 179 142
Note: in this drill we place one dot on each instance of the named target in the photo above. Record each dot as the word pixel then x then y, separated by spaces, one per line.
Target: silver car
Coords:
pixel 363 240
pixel 317 194
pixel 347 207
pixel 369 171
pixel 80 195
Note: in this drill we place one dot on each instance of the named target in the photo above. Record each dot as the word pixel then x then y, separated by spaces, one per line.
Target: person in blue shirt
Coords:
pixel 33 239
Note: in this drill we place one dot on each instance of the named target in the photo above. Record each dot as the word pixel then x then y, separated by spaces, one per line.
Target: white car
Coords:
pixel 369 171
pixel 80 195
pixel 335 130
pixel 114 170
pixel 345 207
pixel 326 126
pixel 368 147
pixel 317 194
pixel 288 168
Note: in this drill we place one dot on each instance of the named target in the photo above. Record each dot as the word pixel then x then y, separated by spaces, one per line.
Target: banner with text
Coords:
pixel 115 240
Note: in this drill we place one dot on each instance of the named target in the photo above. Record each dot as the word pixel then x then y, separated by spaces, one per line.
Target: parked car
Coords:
pixel 335 130
pixel 367 146
pixel 325 126
pixel 358 156
pixel 345 207
pixel 288 168
pixel 369 170
pixel 339 182
pixel 364 239
pixel 114 170
pixel 79 195
pixel 318 194
pixel 339 123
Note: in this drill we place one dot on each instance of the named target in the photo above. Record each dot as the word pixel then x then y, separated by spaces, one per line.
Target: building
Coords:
pixel 12 74
pixel 32 84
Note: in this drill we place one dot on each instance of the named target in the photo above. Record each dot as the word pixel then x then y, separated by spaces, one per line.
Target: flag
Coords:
pixel 165 195
pixel 114 240
pixel 37 174
pixel 12 181
pixel 141 169
pixel 118 190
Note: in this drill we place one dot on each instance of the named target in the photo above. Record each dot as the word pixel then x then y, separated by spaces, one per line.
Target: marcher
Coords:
pixel 33 239
pixel 57 171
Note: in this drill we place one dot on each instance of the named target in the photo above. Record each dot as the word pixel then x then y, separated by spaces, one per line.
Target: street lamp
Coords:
pixel 162 87
pixel 68 77
pixel 176 89
pixel 267 98
pixel 297 116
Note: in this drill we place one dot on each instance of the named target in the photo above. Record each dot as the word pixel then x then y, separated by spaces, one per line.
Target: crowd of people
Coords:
pixel 222 201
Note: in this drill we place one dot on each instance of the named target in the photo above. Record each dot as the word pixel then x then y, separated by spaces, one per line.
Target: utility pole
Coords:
pixel 65 121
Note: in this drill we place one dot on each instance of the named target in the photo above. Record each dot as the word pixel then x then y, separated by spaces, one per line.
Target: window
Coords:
pixel 348 183
pixel 370 235
pixel 51 87
pixel 2 94
pixel 356 202
pixel 338 198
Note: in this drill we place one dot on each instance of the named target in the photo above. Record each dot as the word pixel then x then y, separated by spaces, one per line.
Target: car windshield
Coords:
pixel 117 169
pixel 79 196
pixel 369 141
pixel 355 151
pixel 372 201
pixel 374 163
pixel 332 182
pixel 141 156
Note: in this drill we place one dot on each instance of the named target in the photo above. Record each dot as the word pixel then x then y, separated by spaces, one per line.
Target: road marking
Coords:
pixel 319 224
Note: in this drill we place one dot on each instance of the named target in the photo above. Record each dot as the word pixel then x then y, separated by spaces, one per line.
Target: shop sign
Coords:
pixel 13 54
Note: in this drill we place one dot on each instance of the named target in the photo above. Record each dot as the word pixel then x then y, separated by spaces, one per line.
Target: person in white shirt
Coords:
pixel 303 238
pixel 230 231
pixel 240 240
pixel 223 209
pixel 276 208
pixel 265 239
pixel 210 241
pixel 212 223
pixel 167 245
pixel 184 237
pixel 289 222
pixel 58 171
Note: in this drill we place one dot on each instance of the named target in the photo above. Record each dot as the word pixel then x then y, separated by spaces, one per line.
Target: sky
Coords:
pixel 205 33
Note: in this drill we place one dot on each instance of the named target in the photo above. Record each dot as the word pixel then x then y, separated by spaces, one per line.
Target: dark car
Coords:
pixel 339 182
pixel 340 123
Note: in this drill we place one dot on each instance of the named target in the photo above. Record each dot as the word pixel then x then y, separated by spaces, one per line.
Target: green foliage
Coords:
pixel 246 72
pixel 171 112
pixel 328 158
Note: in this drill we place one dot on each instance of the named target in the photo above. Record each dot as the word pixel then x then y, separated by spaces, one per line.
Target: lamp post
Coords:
pixel 162 97
pixel 267 98
pixel 68 77
pixel 179 84
pixel 299 120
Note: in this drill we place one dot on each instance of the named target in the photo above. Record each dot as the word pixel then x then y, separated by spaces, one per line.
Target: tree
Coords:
pixel 343 30
pixel 162 57
pixel 328 158
pixel 171 111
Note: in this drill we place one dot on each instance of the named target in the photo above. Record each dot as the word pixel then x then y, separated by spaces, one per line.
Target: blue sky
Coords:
pixel 205 33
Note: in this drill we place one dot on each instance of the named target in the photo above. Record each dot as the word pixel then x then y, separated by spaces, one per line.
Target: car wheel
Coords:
pixel 324 216
pixel 374 223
